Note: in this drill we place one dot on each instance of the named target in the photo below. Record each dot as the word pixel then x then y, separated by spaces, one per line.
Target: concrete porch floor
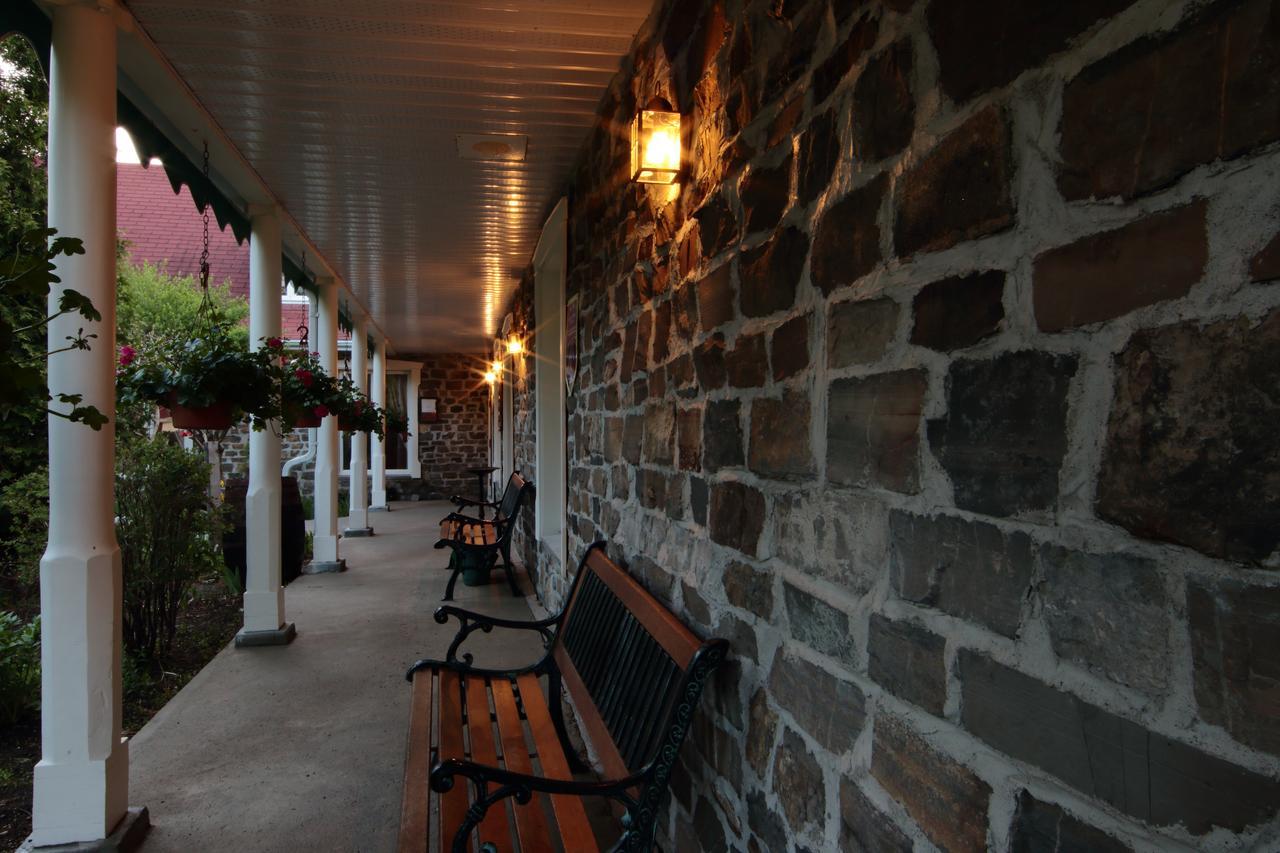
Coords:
pixel 301 747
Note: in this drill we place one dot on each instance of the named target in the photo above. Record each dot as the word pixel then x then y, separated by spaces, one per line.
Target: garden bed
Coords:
pixel 205 627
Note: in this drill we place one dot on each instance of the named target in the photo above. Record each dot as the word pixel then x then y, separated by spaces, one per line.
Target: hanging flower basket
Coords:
pixel 356 413
pixel 220 415
pixel 306 421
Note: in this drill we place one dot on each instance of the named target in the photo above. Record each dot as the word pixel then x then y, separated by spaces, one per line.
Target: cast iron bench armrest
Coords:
pixel 442 780
pixel 468 519
pixel 463 667
pixel 461 502
pixel 472 621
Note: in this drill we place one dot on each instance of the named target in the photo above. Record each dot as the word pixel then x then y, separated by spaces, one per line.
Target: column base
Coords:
pixel 383 508
pixel 357 532
pixel 281 636
pixel 126 837
pixel 324 567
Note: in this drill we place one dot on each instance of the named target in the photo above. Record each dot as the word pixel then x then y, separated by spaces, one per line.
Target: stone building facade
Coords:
pixel 946 388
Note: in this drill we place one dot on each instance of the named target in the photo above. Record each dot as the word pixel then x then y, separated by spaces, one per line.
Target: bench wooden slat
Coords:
pixel 415 810
pixel 483 751
pixel 575 830
pixel 473 533
pixel 453 805
pixel 531 822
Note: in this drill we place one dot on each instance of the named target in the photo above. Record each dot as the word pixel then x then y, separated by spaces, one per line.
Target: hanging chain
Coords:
pixel 303 330
pixel 204 253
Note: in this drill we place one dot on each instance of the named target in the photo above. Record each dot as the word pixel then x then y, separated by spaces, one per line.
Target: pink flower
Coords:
pixel 186 433
pixel 127 355
pixel 305 377
pixel 274 343
pixel 321 410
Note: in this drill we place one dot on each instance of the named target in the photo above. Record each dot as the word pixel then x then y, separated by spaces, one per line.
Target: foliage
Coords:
pixel 395 422
pixel 24 129
pixel 168 531
pixel 153 306
pixel 200 371
pixel 305 388
pixel 24 512
pixel 355 411
pixel 19 667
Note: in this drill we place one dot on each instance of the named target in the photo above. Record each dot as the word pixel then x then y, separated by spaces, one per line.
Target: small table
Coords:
pixel 481 474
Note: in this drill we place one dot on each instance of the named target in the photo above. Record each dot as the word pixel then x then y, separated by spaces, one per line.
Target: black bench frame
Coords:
pixel 506 513
pixel 641 792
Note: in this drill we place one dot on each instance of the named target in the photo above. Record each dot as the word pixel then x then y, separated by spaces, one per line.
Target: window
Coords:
pixel 548 302
pixel 401 457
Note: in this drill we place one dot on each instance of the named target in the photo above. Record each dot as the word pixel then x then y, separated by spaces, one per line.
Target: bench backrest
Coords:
pixel 626 662
pixel 511 495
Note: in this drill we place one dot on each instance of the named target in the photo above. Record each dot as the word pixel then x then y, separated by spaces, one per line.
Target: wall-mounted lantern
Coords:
pixel 655 144
pixel 515 346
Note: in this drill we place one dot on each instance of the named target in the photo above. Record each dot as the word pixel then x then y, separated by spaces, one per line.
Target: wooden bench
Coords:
pixel 635 674
pixel 476 542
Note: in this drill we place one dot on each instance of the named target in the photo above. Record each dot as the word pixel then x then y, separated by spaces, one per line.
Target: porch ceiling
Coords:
pixel 349 113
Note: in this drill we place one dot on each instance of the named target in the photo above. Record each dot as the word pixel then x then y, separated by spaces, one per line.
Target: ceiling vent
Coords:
pixel 485 146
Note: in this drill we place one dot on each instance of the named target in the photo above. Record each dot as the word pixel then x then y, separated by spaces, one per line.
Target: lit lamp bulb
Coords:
pixel 496 368
pixel 514 346
pixel 655 145
pixel 491 377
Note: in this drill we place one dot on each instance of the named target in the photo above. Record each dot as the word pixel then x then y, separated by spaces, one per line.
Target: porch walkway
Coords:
pixel 301 747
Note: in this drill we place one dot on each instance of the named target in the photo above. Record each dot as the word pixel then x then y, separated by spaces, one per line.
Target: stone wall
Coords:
pixel 946 387
pixel 459 439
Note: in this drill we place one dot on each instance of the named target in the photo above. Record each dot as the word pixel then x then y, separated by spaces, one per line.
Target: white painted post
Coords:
pixel 378 453
pixel 358 514
pixel 82 779
pixel 264 623
pixel 325 547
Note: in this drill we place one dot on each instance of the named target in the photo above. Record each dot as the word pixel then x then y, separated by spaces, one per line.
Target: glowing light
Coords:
pixel 495 368
pixel 655 146
pixel 491 377
pixel 514 346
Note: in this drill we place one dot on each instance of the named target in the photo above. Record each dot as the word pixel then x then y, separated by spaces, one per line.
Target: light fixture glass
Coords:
pixel 655 144
pixel 491 377
pixel 496 368
pixel 514 346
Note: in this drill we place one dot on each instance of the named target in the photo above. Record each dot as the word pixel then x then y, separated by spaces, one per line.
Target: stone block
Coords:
pixel 661 332
pixel 790 348
pixel 959 311
pixel 715 298
pixel 1235 651
pixel 1039 826
pixel 659 434
pixel 722 439
pixel 969 569
pixel 1192 452
pixel 737 516
pixel 846 240
pixel 749 588
pixel 780 436
pixel 632 438
pixel 1108 613
pixel 831 710
pixel 1029 33
pixel 699 495
pixel 1265 266
pixel 907 660
pixel 884 111
pixel 741 637
pixel 797 781
pixel 1004 435
pixel 717 226
pixel 765 193
pixel 762 725
pixel 768 275
pixel 767 827
pixel 960 191
pixel 873 430
pixel 820 626
pixel 864 828
pixel 944 797
pixel 839 537
pixel 689 439
pixel 1107 275
pixel 708 363
pixel 1142 773
pixel 828 75
pixel 1149 113
pixel 684 312
pixel 707 828
pixel 819 153
pixel 747 364
pixel 860 331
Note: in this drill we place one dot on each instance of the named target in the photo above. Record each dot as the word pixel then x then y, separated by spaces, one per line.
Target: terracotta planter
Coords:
pixel 347 426
pixel 217 416
pixel 306 421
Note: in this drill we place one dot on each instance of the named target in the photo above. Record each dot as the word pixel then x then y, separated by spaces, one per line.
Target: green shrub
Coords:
pixel 24 516
pixel 19 667
pixel 168 531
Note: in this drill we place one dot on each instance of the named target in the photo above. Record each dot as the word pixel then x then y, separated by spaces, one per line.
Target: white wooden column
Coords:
pixel 264 622
pixel 325 549
pixel 378 455
pixel 82 779
pixel 358 515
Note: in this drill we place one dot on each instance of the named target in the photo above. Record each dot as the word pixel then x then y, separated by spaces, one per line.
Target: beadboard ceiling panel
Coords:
pixel 350 113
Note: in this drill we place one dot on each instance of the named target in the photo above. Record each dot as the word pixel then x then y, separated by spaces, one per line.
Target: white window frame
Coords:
pixel 550 262
pixel 413 370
